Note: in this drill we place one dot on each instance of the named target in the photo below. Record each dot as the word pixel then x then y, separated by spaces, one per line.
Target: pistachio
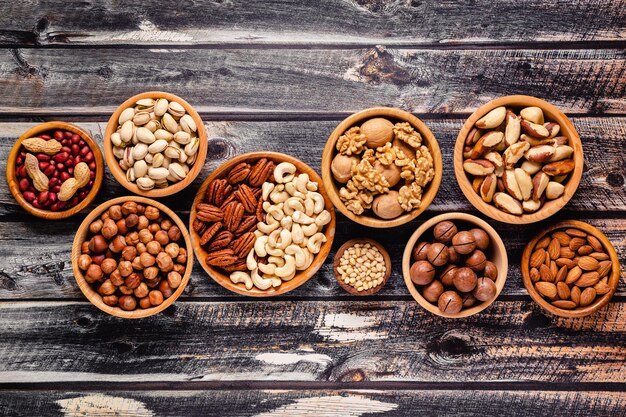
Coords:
pixel 116 139
pixel 192 147
pixel 130 175
pixel 158 173
pixel 141 118
pixel 182 137
pixel 172 151
pixel 176 109
pixel 157 160
pixel 126 115
pixel 126 132
pixel 145 183
pixel 148 158
pixel 146 104
pixel 177 171
pixel 188 124
pixel 139 151
pixel 168 122
pixel 158 146
pixel 140 169
pixel 145 136
pixel 152 125
pixel 160 107
pixel 163 134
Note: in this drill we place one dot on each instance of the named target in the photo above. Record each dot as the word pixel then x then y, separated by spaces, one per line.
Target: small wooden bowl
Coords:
pixel 14 182
pixel 302 276
pixel 350 289
pixel 613 278
pixel 550 207
pixel 87 289
pixel 120 174
pixel 370 219
pixel 498 256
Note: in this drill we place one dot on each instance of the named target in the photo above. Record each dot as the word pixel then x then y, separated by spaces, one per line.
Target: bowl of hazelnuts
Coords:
pixel 132 257
pixel 455 265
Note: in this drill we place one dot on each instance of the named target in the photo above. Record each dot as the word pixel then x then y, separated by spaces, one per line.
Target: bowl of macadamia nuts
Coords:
pixel 382 167
pixel 132 257
pixel 455 265
pixel 518 159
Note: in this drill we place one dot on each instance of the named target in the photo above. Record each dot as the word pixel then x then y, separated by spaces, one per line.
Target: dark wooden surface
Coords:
pixel 280 76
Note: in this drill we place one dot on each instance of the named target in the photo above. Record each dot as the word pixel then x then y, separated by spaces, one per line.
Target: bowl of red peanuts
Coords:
pixel 55 170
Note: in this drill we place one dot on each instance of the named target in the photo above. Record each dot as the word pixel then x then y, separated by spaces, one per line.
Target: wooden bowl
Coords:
pixel 302 276
pixel 14 182
pixel 551 114
pixel 350 289
pixel 87 289
pixel 120 174
pixel 497 255
pixel 613 278
pixel 369 219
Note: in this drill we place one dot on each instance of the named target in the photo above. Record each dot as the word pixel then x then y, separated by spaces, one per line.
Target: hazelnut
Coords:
pixel 116 278
pixel 115 212
pixel 438 254
pixel 162 237
pixel 420 251
pixel 95 226
pixel 422 272
pixel 133 280
pixel 146 259
pixel 129 207
pixel 125 268
pixel 432 291
pixel 164 262
pixel 179 268
pixel 391 172
pixel 118 244
pixel 156 297
pixel 450 302
pixel 453 256
pixel 154 227
pixel 174 279
pixel 84 247
pixel 121 227
pixel 125 290
pixel 485 289
pixel 141 248
pixel 463 242
pixel 468 299
pixel 477 260
pixel 166 224
pixel 110 300
pixel 182 256
pixel 94 273
pixel 341 167
pixel 444 231
pixel 104 215
pixel 447 276
pixel 97 259
pixel 131 221
pixel 387 206
pixel 172 250
pixel 153 247
pixel 152 213
pixel 174 234
pixel 165 289
pixel 132 238
pixel 377 131
pixel 140 209
pixel 107 288
pixel 151 272
pixel 98 244
pixel 141 291
pixel 145 236
pixel 464 279
pixel 153 283
pixel 137 266
pixel 127 302
pixel 481 237
pixel 143 222
pixel 129 253
pixel 108 265
pixel 145 303
pixel 490 271
pixel 84 261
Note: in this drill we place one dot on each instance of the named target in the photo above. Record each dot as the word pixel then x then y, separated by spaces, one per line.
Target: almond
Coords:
pixel 554 190
pixel 595 243
pixel 511 185
pixel 539 182
pixel 561 152
pixel 514 153
pixel 559 168
pixel 588 279
pixel 568 263
pixel 532 114
pixel 545 274
pixel 585 250
pixel 492 119
pixel 534 275
pixel 524 182
pixel 537 258
pixel 534 129
pixel 566 252
pixel 539 153
pixel 562 290
pixel 513 130
pixel 587 263
pixel 602 288
pixel 576 233
pixel 587 296
pixel 564 304
pixel 576 243
pixel 573 275
pixel 575 295
pixel 488 188
pixel 601 256
pixel 562 237
pixel 604 267
pixel 508 204
pixel 543 242
pixel 547 289
pixel 530 206
pixel 552 128
pixel 561 274
pixel 478 167
pixel 554 249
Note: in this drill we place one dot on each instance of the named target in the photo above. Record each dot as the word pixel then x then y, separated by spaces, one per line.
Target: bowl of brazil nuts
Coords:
pixel 455 265
pixel 55 170
pixel 518 159
pixel 155 144
pixel 262 224
pixel 570 269
pixel 132 257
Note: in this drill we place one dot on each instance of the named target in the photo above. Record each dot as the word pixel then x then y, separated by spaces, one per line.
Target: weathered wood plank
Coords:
pixel 353 22
pixel 309 341
pixel 87 81
pixel 318 403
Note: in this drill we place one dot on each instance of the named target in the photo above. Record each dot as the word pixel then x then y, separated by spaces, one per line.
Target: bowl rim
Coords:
pixel 13 182
pixel 302 276
pixel 498 247
pixel 113 163
pixel 613 278
pixel 87 289
pixel 549 207
pixel 387 259
pixel 392 113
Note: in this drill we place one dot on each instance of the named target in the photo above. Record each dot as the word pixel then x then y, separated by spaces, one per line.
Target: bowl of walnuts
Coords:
pixel 132 257
pixel 382 167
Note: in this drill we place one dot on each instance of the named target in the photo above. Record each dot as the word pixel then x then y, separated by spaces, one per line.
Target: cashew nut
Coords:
pixel 274 251
pixel 260 282
pixel 318 200
pixel 279 196
pixel 292 204
pixel 309 207
pixel 311 186
pixel 287 222
pixel 276 260
pixel 266 189
pixel 323 218
pixel 276 282
pixel 315 242
pixel 297 235
pixel 284 172
pixel 259 246
pixel 267 268
pixel 310 230
pixel 301 181
pixel 250 261
pixel 241 277
pixel 276 211
pixel 267 228
pixel 302 218
pixel 298 253
pixel 287 269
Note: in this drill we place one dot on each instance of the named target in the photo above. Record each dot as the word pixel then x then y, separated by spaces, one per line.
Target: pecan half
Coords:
pixel 210 232
pixel 239 173
pixel 242 245
pixel 220 241
pixel 233 213
pixel 260 172
pixel 260 213
pixel 228 200
pixel 218 191
pixel 246 197
pixel 248 224
pixel 209 213
pixel 221 258
pixel 199 226
pixel 239 265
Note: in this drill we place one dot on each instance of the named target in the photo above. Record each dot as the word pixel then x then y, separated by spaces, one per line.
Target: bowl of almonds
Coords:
pixel 262 224
pixel 570 269
pixel 518 159
pixel 155 144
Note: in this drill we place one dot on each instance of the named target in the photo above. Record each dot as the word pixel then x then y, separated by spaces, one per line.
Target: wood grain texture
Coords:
pixel 252 81
pixel 318 403
pixel 352 22
pixel 376 341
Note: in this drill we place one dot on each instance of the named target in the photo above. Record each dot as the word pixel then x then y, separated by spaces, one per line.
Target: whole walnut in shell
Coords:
pixel 391 172
pixel 377 131
pixel 341 167
pixel 386 206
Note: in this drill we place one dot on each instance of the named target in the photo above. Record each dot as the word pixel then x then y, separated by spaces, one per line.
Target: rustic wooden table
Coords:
pixel 279 76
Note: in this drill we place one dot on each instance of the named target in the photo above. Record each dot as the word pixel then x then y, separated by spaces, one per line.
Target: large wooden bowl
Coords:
pixel 396 115
pixel 302 276
pixel 120 174
pixel 87 289
pixel 613 278
pixel 14 182
pixel 350 289
pixel 496 254
pixel 551 113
